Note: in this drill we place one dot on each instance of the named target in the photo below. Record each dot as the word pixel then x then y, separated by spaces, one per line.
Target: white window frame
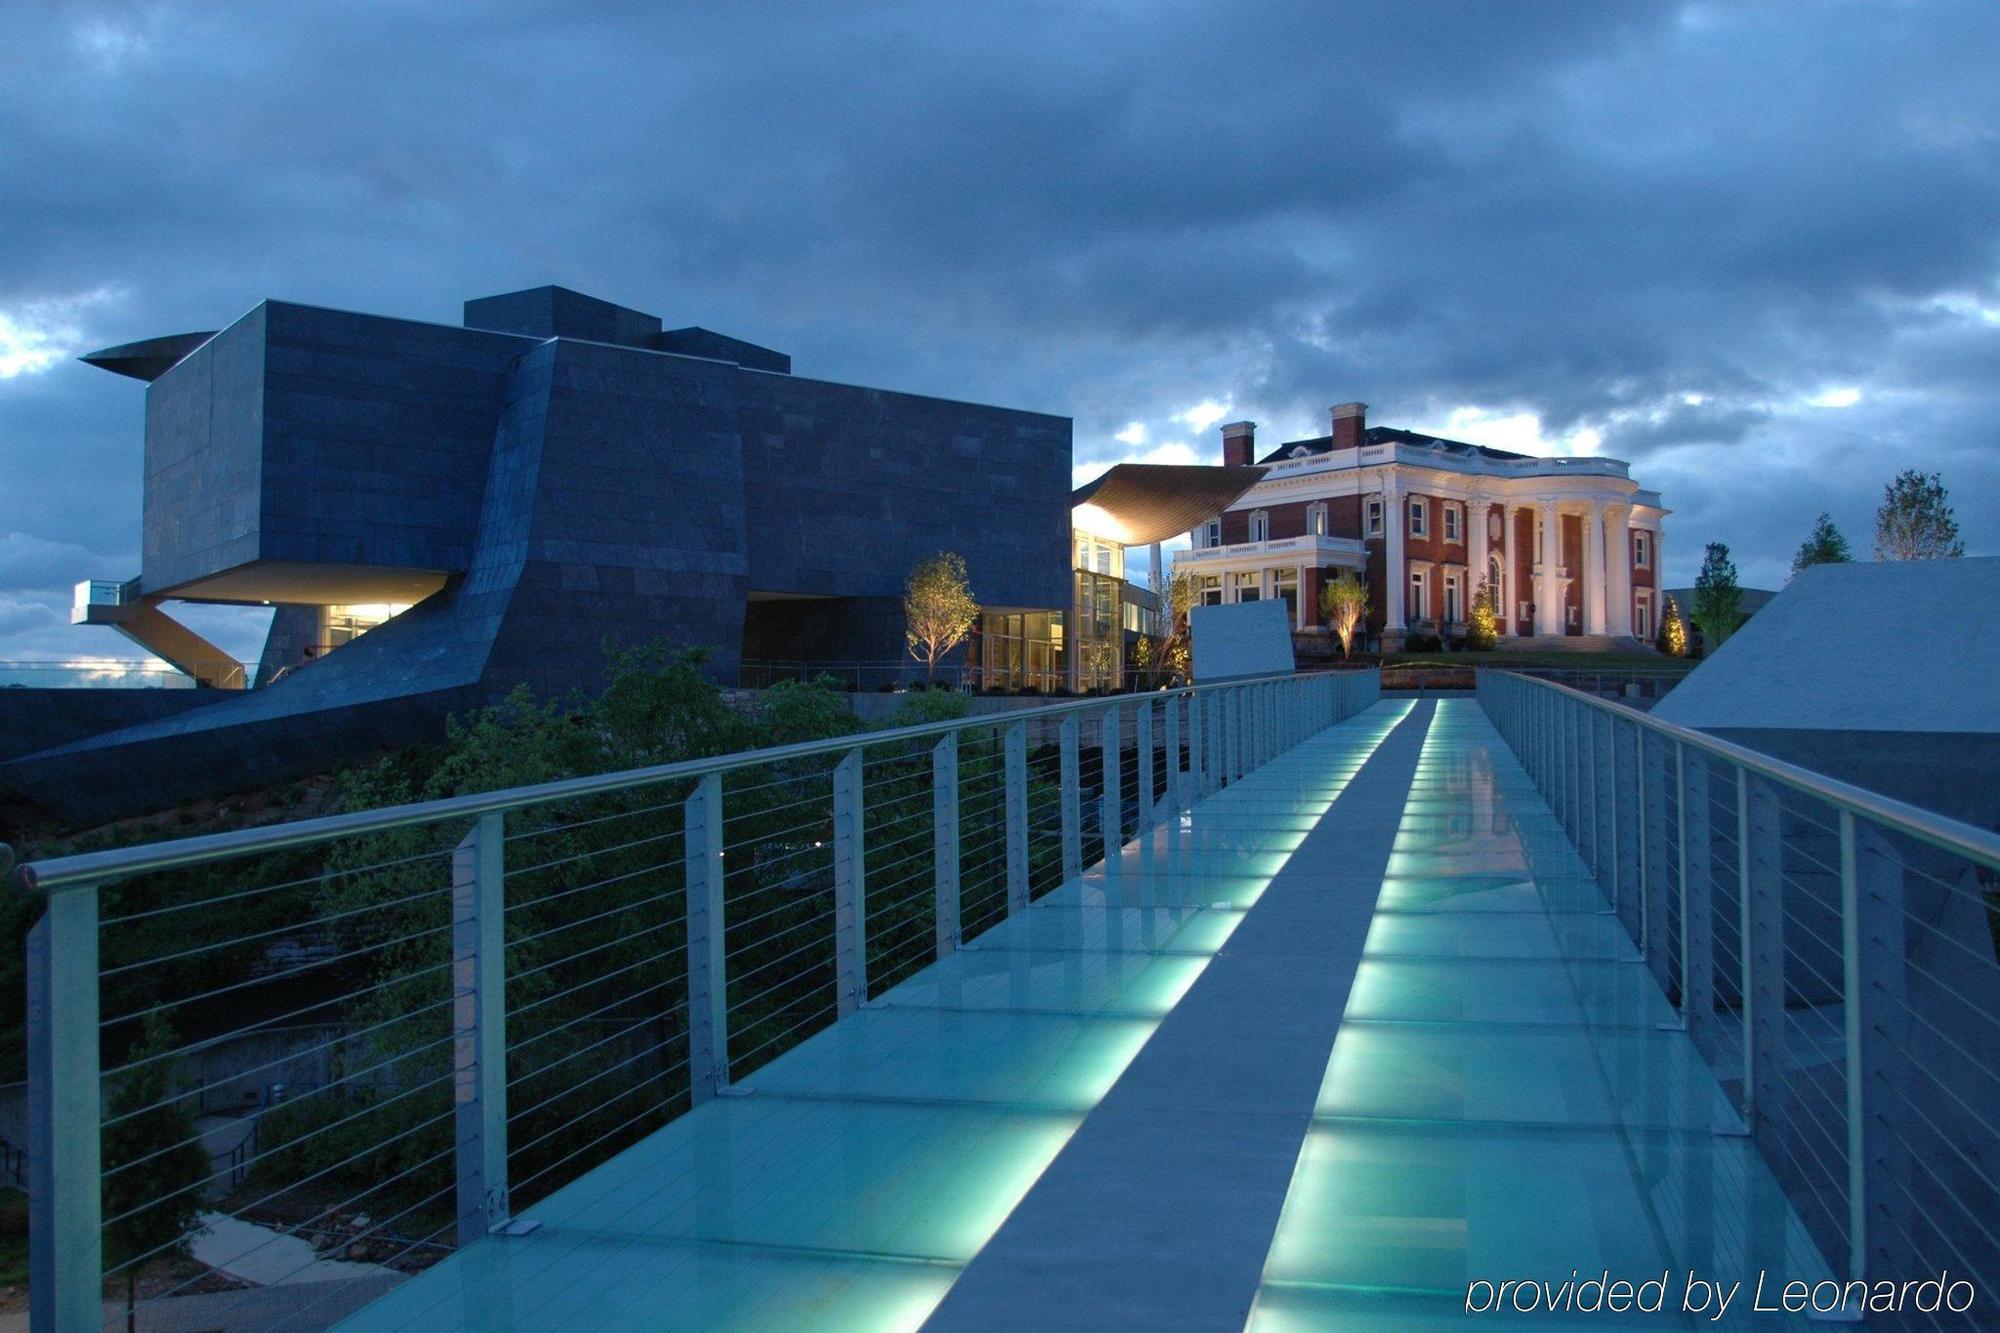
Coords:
pixel 1453 594
pixel 1642 549
pixel 1317 520
pixel 1454 530
pixel 1642 617
pixel 1375 517
pixel 1419 603
pixel 1211 533
pixel 1260 526
pixel 1420 520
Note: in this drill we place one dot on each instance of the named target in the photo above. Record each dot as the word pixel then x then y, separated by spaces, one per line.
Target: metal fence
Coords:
pixel 1832 953
pixel 514 986
pixel 118 674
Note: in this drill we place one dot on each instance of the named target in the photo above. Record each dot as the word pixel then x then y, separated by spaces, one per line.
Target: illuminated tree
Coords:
pixel 1344 603
pixel 938 610
pixel 1914 522
pixel 1145 658
pixel 1483 630
pixel 1183 593
pixel 1673 631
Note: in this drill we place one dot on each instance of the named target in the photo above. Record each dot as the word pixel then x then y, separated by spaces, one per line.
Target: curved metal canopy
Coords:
pixel 149 358
pixel 1137 504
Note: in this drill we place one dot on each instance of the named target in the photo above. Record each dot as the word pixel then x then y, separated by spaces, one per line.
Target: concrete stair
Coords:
pixel 1575 643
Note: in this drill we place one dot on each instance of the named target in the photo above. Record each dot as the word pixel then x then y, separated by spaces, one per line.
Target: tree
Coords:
pixel 1183 593
pixel 1483 630
pixel 1914 522
pixel 1718 602
pixel 1344 603
pixel 1146 659
pixel 1824 547
pixel 1673 631
pixel 155 1165
pixel 938 610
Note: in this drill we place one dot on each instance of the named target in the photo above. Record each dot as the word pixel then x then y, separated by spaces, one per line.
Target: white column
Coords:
pixel 1548 585
pixel 1394 577
pixel 1593 571
pixel 1509 518
pixel 1476 543
pixel 1299 618
pixel 1158 571
pixel 1618 552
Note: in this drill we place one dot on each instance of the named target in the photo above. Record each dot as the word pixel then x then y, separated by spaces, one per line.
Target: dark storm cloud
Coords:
pixel 1672 225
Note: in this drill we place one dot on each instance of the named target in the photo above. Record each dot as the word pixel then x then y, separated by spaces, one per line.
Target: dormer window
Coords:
pixel 1260 526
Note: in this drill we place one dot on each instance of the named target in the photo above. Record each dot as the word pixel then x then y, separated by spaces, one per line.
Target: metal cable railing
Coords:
pixel 1833 953
pixel 390 1032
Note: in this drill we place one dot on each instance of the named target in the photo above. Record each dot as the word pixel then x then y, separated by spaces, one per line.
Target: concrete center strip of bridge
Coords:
pixel 1159 1211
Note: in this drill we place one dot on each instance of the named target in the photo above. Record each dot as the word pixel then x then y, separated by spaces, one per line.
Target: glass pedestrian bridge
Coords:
pixel 1363 1013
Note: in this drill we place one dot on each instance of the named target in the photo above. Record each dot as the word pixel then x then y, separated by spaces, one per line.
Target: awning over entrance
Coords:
pixel 1136 504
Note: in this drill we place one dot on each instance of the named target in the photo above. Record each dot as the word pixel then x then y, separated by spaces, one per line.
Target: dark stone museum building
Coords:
pixel 441 514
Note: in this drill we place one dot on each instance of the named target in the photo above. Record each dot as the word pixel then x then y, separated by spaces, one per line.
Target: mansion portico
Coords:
pixel 1571 546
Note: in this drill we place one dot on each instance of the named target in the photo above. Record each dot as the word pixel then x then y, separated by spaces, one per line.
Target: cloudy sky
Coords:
pixel 1753 248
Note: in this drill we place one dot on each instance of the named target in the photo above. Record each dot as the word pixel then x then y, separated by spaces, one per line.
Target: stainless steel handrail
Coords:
pixel 1941 831
pixel 95 869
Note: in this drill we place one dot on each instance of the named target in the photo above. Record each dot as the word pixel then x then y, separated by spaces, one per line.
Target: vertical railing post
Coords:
pixel 65 1118
pixel 1197 730
pixel 850 885
pixel 1697 902
pixel 1653 941
pixel 1759 874
pixel 707 951
pixel 1225 735
pixel 1612 857
pixel 944 840
pixel 1170 794
pixel 1111 809
pixel 1016 746
pixel 1874 1002
pixel 1072 807
pixel 1601 773
pixel 479 1025
pixel 1142 741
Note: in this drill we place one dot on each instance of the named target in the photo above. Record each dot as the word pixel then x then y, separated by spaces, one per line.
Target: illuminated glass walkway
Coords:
pixel 1139 1103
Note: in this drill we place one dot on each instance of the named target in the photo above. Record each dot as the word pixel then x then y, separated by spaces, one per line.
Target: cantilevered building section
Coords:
pixel 441 514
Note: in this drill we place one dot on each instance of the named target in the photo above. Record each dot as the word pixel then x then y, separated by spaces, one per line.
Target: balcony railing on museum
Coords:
pixel 111 674
pixel 1831 952
pixel 441 1012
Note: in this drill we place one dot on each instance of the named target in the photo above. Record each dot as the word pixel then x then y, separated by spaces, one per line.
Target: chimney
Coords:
pixel 1349 420
pixel 1239 444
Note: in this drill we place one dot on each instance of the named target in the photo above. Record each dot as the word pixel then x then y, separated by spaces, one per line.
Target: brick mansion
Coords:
pixel 1570 546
